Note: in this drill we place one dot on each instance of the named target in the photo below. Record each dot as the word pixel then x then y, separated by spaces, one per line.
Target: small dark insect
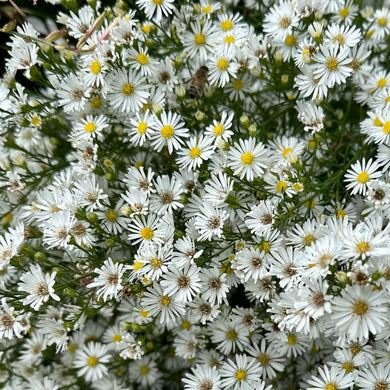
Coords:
pixel 198 82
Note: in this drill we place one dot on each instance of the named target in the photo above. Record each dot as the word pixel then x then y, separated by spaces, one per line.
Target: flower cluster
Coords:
pixel 197 195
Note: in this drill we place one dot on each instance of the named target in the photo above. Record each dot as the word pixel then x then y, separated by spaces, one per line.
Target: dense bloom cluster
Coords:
pixel 197 195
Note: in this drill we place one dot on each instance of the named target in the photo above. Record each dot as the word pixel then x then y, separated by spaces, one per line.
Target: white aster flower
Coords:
pixel 39 287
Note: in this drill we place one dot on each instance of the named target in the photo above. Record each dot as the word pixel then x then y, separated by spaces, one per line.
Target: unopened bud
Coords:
pixel 9 26
pixel 53 36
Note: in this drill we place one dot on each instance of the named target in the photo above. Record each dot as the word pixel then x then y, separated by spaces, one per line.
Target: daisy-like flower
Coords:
pixel 269 358
pixel 360 174
pixel 155 9
pixel 128 91
pixel 200 40
pixel 241 374
pixel 109 281
pixel 79 24
pixel 168 195
pixel 169 131
pixel 359 311
pixel 39 287
pixel 141 62
pixel 261 217
pixel 222 66
pixel 161 305
pixel 332 64
pixel 56 234
pixel 248 159
pixel 145 230
pixel 198 149
pixel 279 22
pixel 333 378
pixel 220 129
pixel 141 128
pixel 209 222
pixel 377 126
pixel 10 321
pixel 215 287
pixel 89 127
pixel 202 377
pixel 343 35
pixel 95 69
pixel 90 361
pixel 183 284
pixel 228 336
pixel 73 92
pixel 374 378
pixel 253 263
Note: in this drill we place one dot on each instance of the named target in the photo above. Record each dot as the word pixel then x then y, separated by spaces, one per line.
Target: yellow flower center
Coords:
pixel 238 84
pixel 72 347
pixel 144 313
pixel 146 28
pixel 340 214
pixel 142 127
pixel 219 129
pixel 330 386
pixel 265 246
pixel 331 64
pixel 165 300
pixel 146 233
pixel 263 359
pixel 167 131
pixel 158 2
pixel 386 127
pixel 348 367
pixel 381 83
pixel 247 158
pixel 363 247
pixel 309 239
pixel 206 9
pixel 369 33
pixel 195 152
pixel 35 121
pixel 200 39
pixel 227 25
pixel 95 102
pixel 377 122
pixel 90 127
pixel 128 89
pixel 138 265
pixel 92 361
pixel 156 262
pixel 229 39
pixel 281 186
pixel 186 325
pixel 111 215
pixel 231 334
pixel 144 370
pixel 382 22
pixel 339 38
pixel 142 59
pixel 291 339
pixel 117 338
pixel 223 63
pixel 360 307
pixel 363 177
pixel 290 40
pixel 344 12
pixel 240 375
pixel 95 67
pixel 286 152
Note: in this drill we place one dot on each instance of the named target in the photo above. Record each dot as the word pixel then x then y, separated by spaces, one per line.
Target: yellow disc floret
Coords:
pixel 247 158
pixel 167 131
pixel 146 233
pixel 90 127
